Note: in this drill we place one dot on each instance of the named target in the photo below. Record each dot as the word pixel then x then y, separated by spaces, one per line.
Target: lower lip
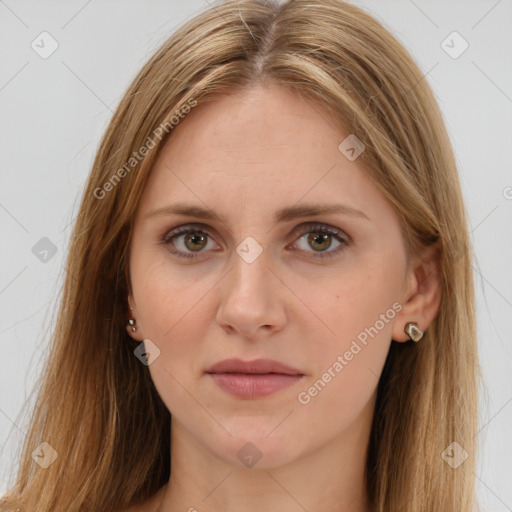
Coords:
pixel 243 385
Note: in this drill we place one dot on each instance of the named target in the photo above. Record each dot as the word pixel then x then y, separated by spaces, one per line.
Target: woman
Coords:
pixel 269 301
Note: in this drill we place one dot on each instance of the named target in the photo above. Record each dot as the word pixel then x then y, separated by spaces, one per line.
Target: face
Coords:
pixel 320 292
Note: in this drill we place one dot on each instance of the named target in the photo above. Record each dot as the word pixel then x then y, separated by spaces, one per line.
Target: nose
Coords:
pixel 252 300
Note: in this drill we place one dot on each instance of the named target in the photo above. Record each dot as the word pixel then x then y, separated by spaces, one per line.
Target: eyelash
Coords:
pixel 307 228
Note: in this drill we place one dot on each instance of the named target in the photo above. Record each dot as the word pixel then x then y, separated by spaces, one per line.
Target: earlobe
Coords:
pixel 131 324
pixel 413 331
pixel 420 306
pixel 133 330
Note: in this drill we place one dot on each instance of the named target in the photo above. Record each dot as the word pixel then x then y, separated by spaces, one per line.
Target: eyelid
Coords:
pixel 311 226
pixel 184 228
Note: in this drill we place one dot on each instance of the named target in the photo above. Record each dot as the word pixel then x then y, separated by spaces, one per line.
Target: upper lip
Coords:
pixel 256 366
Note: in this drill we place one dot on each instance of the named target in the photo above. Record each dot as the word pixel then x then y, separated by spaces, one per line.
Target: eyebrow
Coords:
pixel 282 215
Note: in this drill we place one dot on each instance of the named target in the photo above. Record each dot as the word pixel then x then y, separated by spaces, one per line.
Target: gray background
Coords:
pixel 54 111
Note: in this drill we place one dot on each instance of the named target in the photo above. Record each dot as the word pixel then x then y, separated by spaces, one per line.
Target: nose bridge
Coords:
pixel 249 275
pixel 249 295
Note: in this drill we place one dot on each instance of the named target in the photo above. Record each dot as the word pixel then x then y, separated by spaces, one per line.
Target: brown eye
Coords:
pixel 320 238
pixel 320 241
pixel 195 241
pixel 186 240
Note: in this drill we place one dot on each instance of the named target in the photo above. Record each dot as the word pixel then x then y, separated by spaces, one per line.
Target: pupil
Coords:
pixel 195 238
pixel 321 238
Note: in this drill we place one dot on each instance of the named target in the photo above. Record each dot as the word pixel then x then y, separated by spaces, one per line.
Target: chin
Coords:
pixel 252 447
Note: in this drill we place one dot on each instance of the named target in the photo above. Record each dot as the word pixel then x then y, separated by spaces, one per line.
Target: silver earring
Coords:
pixel 413 331
pixel 132 323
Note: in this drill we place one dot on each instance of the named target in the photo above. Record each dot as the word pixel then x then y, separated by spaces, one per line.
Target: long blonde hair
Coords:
pixel 97 405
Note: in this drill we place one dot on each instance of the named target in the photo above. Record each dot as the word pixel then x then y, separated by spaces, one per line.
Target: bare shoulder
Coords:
pixel 150 505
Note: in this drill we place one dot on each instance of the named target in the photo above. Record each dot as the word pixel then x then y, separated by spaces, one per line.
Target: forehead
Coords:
pixel 258 125
pixel 259 149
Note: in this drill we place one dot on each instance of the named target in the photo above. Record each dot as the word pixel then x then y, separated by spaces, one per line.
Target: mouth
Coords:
pixel 253 379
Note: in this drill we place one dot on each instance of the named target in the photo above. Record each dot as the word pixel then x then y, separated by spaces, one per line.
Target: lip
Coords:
pixel 256 366
pixel 253 379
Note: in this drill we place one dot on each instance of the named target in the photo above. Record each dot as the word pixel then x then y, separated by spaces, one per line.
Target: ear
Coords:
pixel 132 315
pixel 422 292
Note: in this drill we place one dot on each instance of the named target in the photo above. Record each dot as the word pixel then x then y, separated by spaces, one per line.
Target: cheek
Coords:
pixel 348 363
pixel 354 303
pixel 357 311
pixel 168 296
pixel 175 309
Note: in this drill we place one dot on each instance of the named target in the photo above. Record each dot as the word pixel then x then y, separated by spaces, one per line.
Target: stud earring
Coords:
pixel 413 331
pixel 132 323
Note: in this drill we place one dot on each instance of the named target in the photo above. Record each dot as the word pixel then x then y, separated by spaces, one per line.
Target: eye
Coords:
pixel 186 238
pixel 319 238
pixel 189 241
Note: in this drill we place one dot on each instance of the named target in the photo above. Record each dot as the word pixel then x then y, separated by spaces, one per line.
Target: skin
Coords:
pixel 246 155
